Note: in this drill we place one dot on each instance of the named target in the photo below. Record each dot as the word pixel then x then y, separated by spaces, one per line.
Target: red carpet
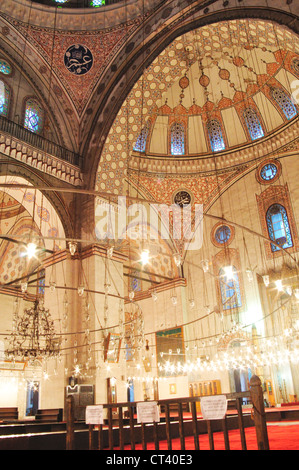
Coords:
pixel 281 437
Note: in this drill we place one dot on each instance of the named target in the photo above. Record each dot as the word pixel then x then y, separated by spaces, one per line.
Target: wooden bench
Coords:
pixel 52 415
pixel 9 413
pixel 174 407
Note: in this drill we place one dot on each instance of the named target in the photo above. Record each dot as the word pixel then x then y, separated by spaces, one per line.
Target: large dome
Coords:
pixel 237 75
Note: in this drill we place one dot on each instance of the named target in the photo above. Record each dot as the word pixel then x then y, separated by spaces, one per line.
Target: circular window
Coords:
pixel 268 172
pixel 78 59
pixel 222 234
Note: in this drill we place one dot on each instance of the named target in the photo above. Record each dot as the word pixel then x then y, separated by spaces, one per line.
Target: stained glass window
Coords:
pixel 222 234
pixel 230 289
pixel 285 102
pixel 4 98
pixel 135 282
pixel 41 282
pixel 33 116
pixel 279 227
pixel 97 3
pixel 295 66
pixel 269 171
pixel 5 67
pixel 141 141
pixel 215 136
pixel 177 139
pixel 253 124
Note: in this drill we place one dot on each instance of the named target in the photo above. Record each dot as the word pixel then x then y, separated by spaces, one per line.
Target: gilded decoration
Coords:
pixel 276 195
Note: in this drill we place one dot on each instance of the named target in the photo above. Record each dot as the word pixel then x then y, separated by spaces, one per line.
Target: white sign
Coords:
pixel 148 412
pixel 213 407
pixel 94 414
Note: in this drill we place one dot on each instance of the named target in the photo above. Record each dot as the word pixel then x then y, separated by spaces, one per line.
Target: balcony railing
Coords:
pixel 40 142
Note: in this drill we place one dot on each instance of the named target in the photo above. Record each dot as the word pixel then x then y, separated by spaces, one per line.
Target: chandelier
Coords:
pixel 33 335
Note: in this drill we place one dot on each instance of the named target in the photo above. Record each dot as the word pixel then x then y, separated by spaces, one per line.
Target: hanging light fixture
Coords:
pixel 228 272
pixel 72 248
pixel 31 250
pixel 205 265
pixel 81 291
pixel 279 285
pixel 34 335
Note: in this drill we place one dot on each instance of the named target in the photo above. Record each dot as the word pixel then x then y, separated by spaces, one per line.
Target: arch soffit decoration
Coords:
pixel 14 171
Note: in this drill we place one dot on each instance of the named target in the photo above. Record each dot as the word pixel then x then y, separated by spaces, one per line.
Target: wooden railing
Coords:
pixel 125 431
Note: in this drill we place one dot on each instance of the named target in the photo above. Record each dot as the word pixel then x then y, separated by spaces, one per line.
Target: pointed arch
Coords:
pixel 284 102
pixel 279 227
pixel 215 135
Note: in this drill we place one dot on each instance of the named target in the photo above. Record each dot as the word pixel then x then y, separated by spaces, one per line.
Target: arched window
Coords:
pixel 33 116
pixel 284 102
pixel 41 283
pixel 5 67
pixel 215 136
pixel 135 283
pixel 253 124
pixel 279 227
pixel 230 288
pixel 177 139
pixel 141 141
pixel 4 99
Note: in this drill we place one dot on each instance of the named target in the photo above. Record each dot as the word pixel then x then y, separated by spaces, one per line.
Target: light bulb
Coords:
pixel 72 248
pixel 131 295
pixel 205 265
pixel 31 250
pixel 80 291
pixel 24 287
pixel 279 285
pixel 266 280
pixel 229 273
pixel 191 303
pixel 52 286
pixel 174 300
pixel 154 296
pixel 289 290
pixel 144 257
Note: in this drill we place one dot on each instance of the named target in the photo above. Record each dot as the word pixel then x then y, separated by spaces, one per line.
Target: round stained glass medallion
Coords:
pixel 222 234
pixel 78 59
pixel 268 172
